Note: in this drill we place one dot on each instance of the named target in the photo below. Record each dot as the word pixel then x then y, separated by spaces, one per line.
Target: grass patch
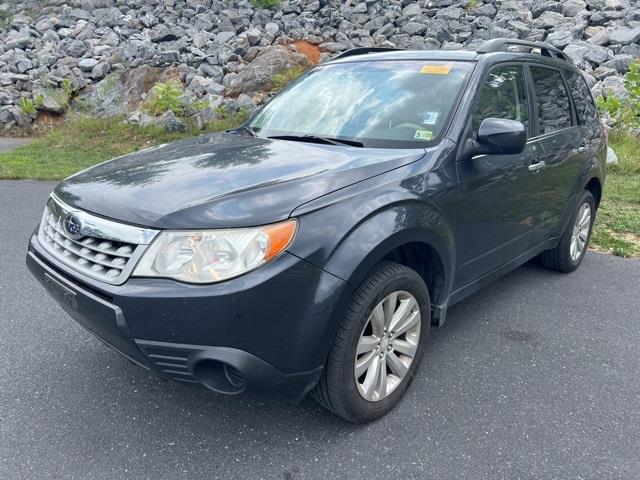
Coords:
pixel 281 79
pixel 164 97
pixel 617 228
pixel 472 4
pixel 265 3
pixel 30 106
pixel 82 142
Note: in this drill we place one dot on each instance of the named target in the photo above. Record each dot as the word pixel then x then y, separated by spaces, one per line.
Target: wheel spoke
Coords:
pixel 573 248
pixel 377 321
pixel 363 364
pixel 389 308
pixel 381 387
pixel 370 380
pixel 398 368
pixel 584 214
pixel 367 344
pixel 408 323
pixel 405 348
pixel 401 314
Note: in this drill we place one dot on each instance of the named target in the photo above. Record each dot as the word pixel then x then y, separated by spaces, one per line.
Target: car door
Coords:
pixel 497 192
pixel 564 145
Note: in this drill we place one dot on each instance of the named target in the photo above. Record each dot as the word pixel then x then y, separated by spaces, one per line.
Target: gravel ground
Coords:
pixel 533 377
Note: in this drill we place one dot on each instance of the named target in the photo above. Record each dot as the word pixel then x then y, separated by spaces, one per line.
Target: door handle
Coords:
pixel 582 149
pixel 537 166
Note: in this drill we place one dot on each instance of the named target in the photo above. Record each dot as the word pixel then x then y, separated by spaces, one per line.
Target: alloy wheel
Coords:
pixel 580 233
pixel 387 346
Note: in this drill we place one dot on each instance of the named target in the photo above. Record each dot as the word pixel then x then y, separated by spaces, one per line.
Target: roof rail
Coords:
pixel 502 44
pixel 363 51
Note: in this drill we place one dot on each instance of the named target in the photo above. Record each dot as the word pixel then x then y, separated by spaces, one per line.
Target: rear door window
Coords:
pixel 502 95
pixel 585 108
pixel 553 107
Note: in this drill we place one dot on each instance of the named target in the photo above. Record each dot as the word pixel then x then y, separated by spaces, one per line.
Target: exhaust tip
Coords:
pixel 219 376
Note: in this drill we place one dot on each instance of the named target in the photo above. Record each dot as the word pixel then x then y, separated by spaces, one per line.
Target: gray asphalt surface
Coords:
pixel 8 143
pixel 535 377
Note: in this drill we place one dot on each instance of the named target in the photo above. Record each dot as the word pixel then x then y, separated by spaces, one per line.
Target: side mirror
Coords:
pixel 498 136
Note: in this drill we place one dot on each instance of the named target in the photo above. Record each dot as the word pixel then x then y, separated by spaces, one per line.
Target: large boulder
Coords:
pixel 121 92
pixel 258 75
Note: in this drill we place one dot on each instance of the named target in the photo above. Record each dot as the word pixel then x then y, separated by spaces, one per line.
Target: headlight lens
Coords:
pixel 210 256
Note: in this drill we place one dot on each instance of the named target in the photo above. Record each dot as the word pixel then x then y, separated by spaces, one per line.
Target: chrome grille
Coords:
pixel 100 251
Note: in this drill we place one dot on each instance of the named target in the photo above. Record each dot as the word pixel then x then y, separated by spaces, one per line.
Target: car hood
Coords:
pixel 222 180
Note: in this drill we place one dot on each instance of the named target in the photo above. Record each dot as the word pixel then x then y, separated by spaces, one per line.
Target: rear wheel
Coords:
pixel 572 247
pixel 379 345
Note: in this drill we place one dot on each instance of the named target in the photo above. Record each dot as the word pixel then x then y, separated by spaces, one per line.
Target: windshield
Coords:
pixel 388 104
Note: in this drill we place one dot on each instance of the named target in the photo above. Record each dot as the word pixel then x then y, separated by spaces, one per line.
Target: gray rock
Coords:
pixel 620 63
pixel 5 97
pixel 53 102
pixel 272 29
pixel 101 70
pixel 259 74
pixel 245 102
pixel 560 38
pixel 625 36
pixel 87 64
pixel 572 8
pixel 172 123
pixel 414 28
pixel 614 86
pixel 412 10
pixel 597 55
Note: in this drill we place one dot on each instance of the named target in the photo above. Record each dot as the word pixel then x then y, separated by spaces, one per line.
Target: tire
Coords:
pixel 338 389
pixel 560 258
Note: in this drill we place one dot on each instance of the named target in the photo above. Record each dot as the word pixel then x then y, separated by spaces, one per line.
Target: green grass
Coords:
pixel 281 79
pixel 164 97
pixel 82 142
pixel 472 4
pixel 265 3
pixel 617 228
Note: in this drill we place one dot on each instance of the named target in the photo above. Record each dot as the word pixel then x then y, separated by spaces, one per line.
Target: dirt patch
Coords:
pixel 309 50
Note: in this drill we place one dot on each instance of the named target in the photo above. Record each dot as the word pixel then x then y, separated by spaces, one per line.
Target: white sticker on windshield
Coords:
pixel 430 118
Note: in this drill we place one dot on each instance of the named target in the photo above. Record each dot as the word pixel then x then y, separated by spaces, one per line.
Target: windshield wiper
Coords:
pixel 248 130
pixel 317 139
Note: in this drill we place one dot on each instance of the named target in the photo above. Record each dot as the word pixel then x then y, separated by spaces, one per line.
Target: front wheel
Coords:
pixel 379 345
pixel 572 247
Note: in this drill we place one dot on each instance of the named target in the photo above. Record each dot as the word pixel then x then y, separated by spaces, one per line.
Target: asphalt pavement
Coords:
pixel 534 377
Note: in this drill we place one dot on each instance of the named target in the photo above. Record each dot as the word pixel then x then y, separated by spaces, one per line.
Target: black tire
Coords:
pixel 559 258
pixel 337 389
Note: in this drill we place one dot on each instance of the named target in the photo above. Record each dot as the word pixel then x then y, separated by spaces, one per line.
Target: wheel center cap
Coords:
pixel 384 342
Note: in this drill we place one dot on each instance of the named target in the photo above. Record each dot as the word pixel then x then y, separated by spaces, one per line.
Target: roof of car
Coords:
pixel 498 49
pixel 409 55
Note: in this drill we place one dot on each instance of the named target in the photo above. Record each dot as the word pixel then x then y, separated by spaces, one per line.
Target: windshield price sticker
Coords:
pixel 436 69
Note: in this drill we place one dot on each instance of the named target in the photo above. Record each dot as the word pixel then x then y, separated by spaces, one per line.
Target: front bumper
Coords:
pixel 267 332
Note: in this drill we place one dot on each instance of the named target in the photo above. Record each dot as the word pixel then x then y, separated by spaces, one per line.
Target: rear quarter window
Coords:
pixel 585 107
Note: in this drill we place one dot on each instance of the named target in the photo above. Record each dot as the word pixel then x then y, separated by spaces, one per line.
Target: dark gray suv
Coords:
pixel 311 249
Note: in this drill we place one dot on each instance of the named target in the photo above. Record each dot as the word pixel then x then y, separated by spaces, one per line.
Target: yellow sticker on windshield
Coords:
pixel 423 135
pixel 436 69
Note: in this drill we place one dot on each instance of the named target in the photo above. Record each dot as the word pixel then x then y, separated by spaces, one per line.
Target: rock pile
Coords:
pixel 111 52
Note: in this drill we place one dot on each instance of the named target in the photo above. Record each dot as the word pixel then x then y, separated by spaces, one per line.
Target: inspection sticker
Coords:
pixel 436 69
pixel 423 134
pixel 430 118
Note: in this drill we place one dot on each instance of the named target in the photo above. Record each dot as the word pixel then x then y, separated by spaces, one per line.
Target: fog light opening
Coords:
pixel 219 376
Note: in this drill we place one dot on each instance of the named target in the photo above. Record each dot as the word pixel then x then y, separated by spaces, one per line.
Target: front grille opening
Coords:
pixel 102 259
pixel 219 376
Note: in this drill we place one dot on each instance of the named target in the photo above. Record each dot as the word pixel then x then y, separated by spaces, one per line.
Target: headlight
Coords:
pixel 210 256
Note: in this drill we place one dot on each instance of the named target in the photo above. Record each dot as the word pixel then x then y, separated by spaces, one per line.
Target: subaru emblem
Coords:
pixel 72 226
